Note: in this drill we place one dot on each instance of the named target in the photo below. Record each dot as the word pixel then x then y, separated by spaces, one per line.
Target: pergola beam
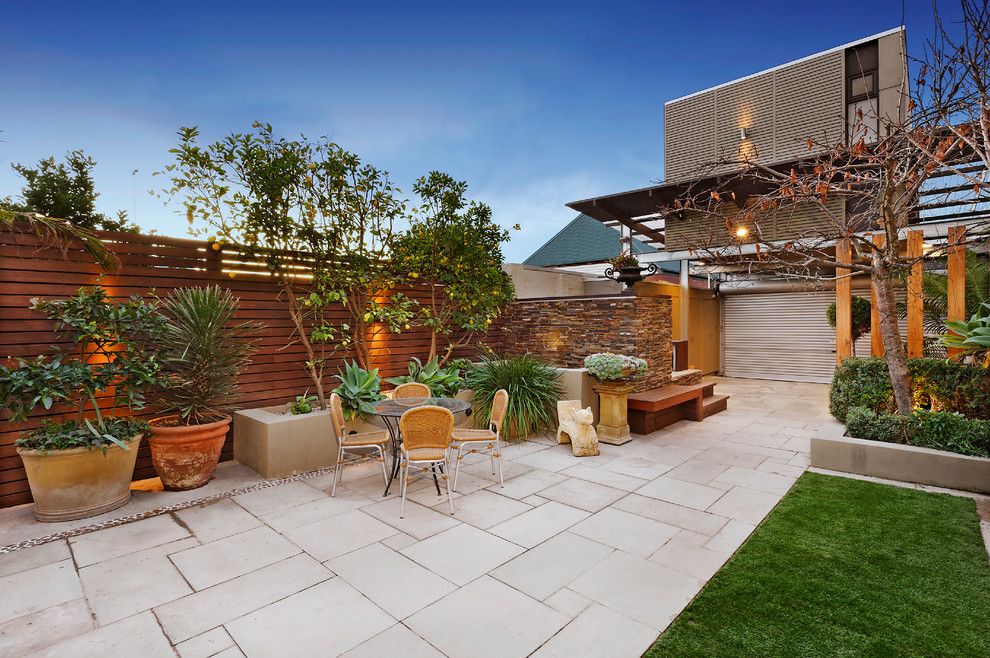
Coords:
pixel 617 215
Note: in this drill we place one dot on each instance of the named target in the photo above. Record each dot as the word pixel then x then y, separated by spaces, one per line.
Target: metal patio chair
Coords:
pixel 376 440
pixel 483 440
pixel 426 434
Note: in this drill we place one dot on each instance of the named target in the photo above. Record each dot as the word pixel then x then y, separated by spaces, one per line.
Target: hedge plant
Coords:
pixel 937 385
pixel 940 430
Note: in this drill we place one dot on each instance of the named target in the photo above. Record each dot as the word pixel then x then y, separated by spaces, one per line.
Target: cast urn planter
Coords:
pixel 613 419
pixel 186 456
pixel 79 482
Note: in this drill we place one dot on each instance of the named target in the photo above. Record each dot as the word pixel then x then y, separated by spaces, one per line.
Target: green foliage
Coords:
pixel 303 404
pixel 533 386
pixel 204 351
pixel 455 249
pixel 946 430
pixel 444 382
pixel 116 354
pixel 972 337
pixel 937 385
pixel 935 288
pixel 71 434
pixel 358 390
pixel 60 234
pixel 65 190
pixel 842 568
pixel 606 366
pixel 862 311
pixel 277 198
pixel 863 423
pixel 941 430
pixel 860 382
pixel 624 259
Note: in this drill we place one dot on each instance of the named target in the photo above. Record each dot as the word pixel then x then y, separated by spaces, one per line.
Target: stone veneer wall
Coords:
pixel 565 330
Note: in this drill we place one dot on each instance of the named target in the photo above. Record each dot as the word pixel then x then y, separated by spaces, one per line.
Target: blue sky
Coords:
pixel 534 104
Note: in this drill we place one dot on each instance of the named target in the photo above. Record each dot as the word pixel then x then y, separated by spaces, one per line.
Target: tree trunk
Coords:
pixel 315 373
pixel 900 378
pixel 433 345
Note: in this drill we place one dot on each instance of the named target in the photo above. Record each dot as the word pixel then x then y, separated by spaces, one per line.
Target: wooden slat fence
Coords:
pixel 156 265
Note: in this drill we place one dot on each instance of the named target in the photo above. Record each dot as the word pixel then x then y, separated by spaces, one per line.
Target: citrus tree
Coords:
pixel 454 249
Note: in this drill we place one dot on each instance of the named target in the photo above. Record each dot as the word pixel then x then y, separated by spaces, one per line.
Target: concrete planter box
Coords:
pixel 893 461
pixel 276 444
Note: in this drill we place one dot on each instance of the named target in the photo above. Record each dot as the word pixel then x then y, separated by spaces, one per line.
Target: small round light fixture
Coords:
pixel 742 232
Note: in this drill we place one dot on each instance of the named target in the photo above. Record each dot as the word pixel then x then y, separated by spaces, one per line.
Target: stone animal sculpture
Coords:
pixel 577 428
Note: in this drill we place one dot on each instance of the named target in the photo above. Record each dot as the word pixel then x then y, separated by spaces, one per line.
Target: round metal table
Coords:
pixel 390 411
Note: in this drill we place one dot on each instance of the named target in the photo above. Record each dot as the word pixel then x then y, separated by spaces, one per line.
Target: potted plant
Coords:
pixel 533 386
pixel 444 381
pixel 359 389
pixel 626 269
pixel 614 373
pixel 82 464
pixel 204 351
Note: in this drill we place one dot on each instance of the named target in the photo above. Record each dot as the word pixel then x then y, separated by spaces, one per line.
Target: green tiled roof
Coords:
pixel 585 240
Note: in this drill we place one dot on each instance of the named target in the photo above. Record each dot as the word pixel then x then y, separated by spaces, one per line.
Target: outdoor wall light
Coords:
pixel 742 232
pixel 743 134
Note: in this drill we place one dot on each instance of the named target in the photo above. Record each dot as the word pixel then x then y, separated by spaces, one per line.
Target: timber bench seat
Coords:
pixel 651 410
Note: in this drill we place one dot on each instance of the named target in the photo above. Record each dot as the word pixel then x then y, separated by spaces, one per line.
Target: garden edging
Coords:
pixel 906 463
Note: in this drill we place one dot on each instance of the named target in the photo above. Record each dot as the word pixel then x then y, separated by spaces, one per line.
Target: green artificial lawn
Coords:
pixel 847 568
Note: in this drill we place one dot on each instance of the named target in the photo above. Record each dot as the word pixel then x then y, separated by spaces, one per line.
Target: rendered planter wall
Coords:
pixel 900 462
pixel 275 444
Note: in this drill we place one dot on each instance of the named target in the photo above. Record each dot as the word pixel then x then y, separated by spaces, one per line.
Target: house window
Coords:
pixel 862 93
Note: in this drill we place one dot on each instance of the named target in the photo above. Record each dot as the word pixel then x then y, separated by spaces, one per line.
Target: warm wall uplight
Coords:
pixel 742 232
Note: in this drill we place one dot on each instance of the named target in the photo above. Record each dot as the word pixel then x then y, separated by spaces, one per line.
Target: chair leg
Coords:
pixel 457 466
pixel 381 453
pixel 446 477
pixel 336 472
pixel 491 453
pixel 498 449
pixel 403 475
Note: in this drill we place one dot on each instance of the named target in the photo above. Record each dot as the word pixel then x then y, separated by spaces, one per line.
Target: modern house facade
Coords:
pixel 768 118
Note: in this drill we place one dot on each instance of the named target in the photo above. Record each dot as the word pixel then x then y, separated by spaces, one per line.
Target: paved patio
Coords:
pixel 591 556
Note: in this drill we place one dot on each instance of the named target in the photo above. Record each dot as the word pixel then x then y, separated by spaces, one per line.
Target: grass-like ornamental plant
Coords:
pixel 359 389
pixel 205 351
pixel 444 382
pixel 533 386
pixel 609 367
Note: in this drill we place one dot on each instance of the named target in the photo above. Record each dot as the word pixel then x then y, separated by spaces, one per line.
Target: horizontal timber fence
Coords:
pixel 29 268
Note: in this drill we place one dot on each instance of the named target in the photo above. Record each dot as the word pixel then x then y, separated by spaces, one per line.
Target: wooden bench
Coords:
pixel 651 410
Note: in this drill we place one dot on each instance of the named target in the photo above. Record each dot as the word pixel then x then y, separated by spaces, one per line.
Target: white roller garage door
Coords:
pixel 780 335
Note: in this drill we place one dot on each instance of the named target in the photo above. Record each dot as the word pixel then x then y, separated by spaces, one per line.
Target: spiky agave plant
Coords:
pixel 204 352
pixel 533 386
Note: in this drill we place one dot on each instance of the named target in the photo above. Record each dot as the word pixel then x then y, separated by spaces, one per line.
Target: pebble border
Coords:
pixel 158 511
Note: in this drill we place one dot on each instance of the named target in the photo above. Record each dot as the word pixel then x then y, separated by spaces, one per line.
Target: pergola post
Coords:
pixel 956 277
pixel 876 340
pixel 843 301
pixel 915 298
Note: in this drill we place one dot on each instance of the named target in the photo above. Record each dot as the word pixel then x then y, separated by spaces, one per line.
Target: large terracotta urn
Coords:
pixel 186 456
pixel 79 482
pixel 613 419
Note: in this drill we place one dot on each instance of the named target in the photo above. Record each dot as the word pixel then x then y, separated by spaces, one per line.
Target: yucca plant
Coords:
pixel 205 351
pixel 443 381
pixel 359 389
pixel 533 386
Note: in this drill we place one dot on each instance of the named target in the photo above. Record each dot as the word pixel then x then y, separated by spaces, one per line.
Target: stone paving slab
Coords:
pixel 572 557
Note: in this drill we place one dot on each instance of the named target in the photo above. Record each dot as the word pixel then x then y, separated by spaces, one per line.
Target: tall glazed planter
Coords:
pixel 204 352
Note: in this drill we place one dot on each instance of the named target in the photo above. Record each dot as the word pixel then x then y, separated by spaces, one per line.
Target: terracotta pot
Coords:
pixel 79 482
pixel 186 456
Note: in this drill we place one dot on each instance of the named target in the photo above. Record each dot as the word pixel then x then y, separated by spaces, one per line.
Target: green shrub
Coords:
pixel 533 386
pixel 303 404
pixel 860 382
pixel 444 382
pixel 358 390
pixel 863 423
pixel 946 430
pixel 937 385
pixel 941 430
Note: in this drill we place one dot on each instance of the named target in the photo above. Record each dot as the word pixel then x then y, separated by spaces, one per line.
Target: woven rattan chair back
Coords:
pixel 411 390
pixel 500 404
pixel 337 415
pixel 426 427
